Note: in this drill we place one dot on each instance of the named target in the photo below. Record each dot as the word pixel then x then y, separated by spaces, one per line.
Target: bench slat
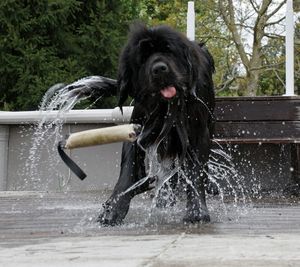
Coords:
pixel 258 130
pixel 258 110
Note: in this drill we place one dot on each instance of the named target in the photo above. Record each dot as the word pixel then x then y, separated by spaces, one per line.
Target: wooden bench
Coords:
pixel 275 120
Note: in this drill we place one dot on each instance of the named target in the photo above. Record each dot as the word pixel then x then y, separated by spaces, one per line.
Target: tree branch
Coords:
pixel 276 9
pixel 278 77
pixel 244 26
pixel 226 84
pixel 274 36
pixel 258 33
pixel 264 7
pixel 275 22
pixel 261 20
pixel 253 6
pixel 229 19
pixel 267 67
pixel 209 37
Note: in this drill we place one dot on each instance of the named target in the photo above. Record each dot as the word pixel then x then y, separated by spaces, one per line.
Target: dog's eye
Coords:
pixel 145 44
pixel 146 48
pixel 167 48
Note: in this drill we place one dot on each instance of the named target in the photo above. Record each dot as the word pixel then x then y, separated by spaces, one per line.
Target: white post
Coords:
pixel 289 49
pixel 190 24
pixel 4 135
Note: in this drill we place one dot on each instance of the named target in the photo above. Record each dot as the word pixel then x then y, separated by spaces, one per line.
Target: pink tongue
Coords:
pixel 168 92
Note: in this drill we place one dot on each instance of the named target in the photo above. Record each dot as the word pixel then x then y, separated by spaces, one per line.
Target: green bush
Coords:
pixel 44 42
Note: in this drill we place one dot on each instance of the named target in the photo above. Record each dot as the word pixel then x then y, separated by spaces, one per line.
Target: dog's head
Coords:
pixel 162 64
pixel 163 71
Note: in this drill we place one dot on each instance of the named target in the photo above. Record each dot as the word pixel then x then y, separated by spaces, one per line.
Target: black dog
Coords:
pixel 169 79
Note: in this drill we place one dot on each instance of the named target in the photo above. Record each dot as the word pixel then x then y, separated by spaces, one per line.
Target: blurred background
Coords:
pixel 44 42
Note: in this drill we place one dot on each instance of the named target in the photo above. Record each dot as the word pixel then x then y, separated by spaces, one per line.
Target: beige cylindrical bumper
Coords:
pixel 120 133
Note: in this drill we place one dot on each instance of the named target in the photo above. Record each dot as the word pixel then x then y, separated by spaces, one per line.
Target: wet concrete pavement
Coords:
pixel 59 229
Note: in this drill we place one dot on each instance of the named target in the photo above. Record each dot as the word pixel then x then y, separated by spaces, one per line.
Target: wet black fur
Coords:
pixel 181 126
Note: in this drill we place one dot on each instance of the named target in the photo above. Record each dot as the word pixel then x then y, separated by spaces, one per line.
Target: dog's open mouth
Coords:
pixel 168 92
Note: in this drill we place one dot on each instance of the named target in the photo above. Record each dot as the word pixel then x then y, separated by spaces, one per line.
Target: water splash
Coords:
pixel 49 130
pixel 221 172
pixel 231 184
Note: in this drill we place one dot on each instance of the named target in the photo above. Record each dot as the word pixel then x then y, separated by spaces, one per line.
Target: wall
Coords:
pixel 26 165
pixel 43 169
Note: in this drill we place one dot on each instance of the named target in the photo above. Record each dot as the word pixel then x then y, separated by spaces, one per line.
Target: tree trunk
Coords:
pixel 251 83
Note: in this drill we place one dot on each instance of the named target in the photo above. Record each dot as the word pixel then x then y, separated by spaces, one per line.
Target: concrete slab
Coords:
pixel 59 229
pixel 159 250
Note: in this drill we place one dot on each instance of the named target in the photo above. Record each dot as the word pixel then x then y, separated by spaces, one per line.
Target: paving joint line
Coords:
pixel 152 260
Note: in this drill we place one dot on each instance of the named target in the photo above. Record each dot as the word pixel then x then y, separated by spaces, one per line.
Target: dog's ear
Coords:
pixel 125 87
pixel 125 72
pixel 198 58
pixel 208 56
pixel 190 57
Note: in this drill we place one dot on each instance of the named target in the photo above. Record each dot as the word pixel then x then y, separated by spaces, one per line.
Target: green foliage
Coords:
pixel 272 78
pixel 172 13
pixel 210 30
pixel 28 51
pixel 44 42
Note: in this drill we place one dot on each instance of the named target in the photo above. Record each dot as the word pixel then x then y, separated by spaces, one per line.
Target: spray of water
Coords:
pixel 59 100
pixel 221 173
pixel 55 104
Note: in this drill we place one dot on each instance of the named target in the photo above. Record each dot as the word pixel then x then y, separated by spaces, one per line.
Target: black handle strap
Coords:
pixel 69 162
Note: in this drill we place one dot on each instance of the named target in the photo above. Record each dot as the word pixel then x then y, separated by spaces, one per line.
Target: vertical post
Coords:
pixel 295 158
pixel 4 134
pixel 289 49
pixel 190 24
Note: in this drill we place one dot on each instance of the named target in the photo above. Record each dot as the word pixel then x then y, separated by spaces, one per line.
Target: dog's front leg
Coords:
pixel 196 209
pixel 132 169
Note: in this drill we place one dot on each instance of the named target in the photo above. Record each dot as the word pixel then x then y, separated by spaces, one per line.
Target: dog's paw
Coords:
pixel 114 211
pixel 212 189
pixel 196 216
pixel 165 200
pixel 107 217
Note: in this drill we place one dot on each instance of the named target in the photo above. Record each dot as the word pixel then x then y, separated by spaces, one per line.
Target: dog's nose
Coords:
pixel 159 68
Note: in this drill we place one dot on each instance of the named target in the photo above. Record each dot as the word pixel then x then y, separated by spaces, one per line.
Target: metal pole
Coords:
pixel 289 49
pixel 190 25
